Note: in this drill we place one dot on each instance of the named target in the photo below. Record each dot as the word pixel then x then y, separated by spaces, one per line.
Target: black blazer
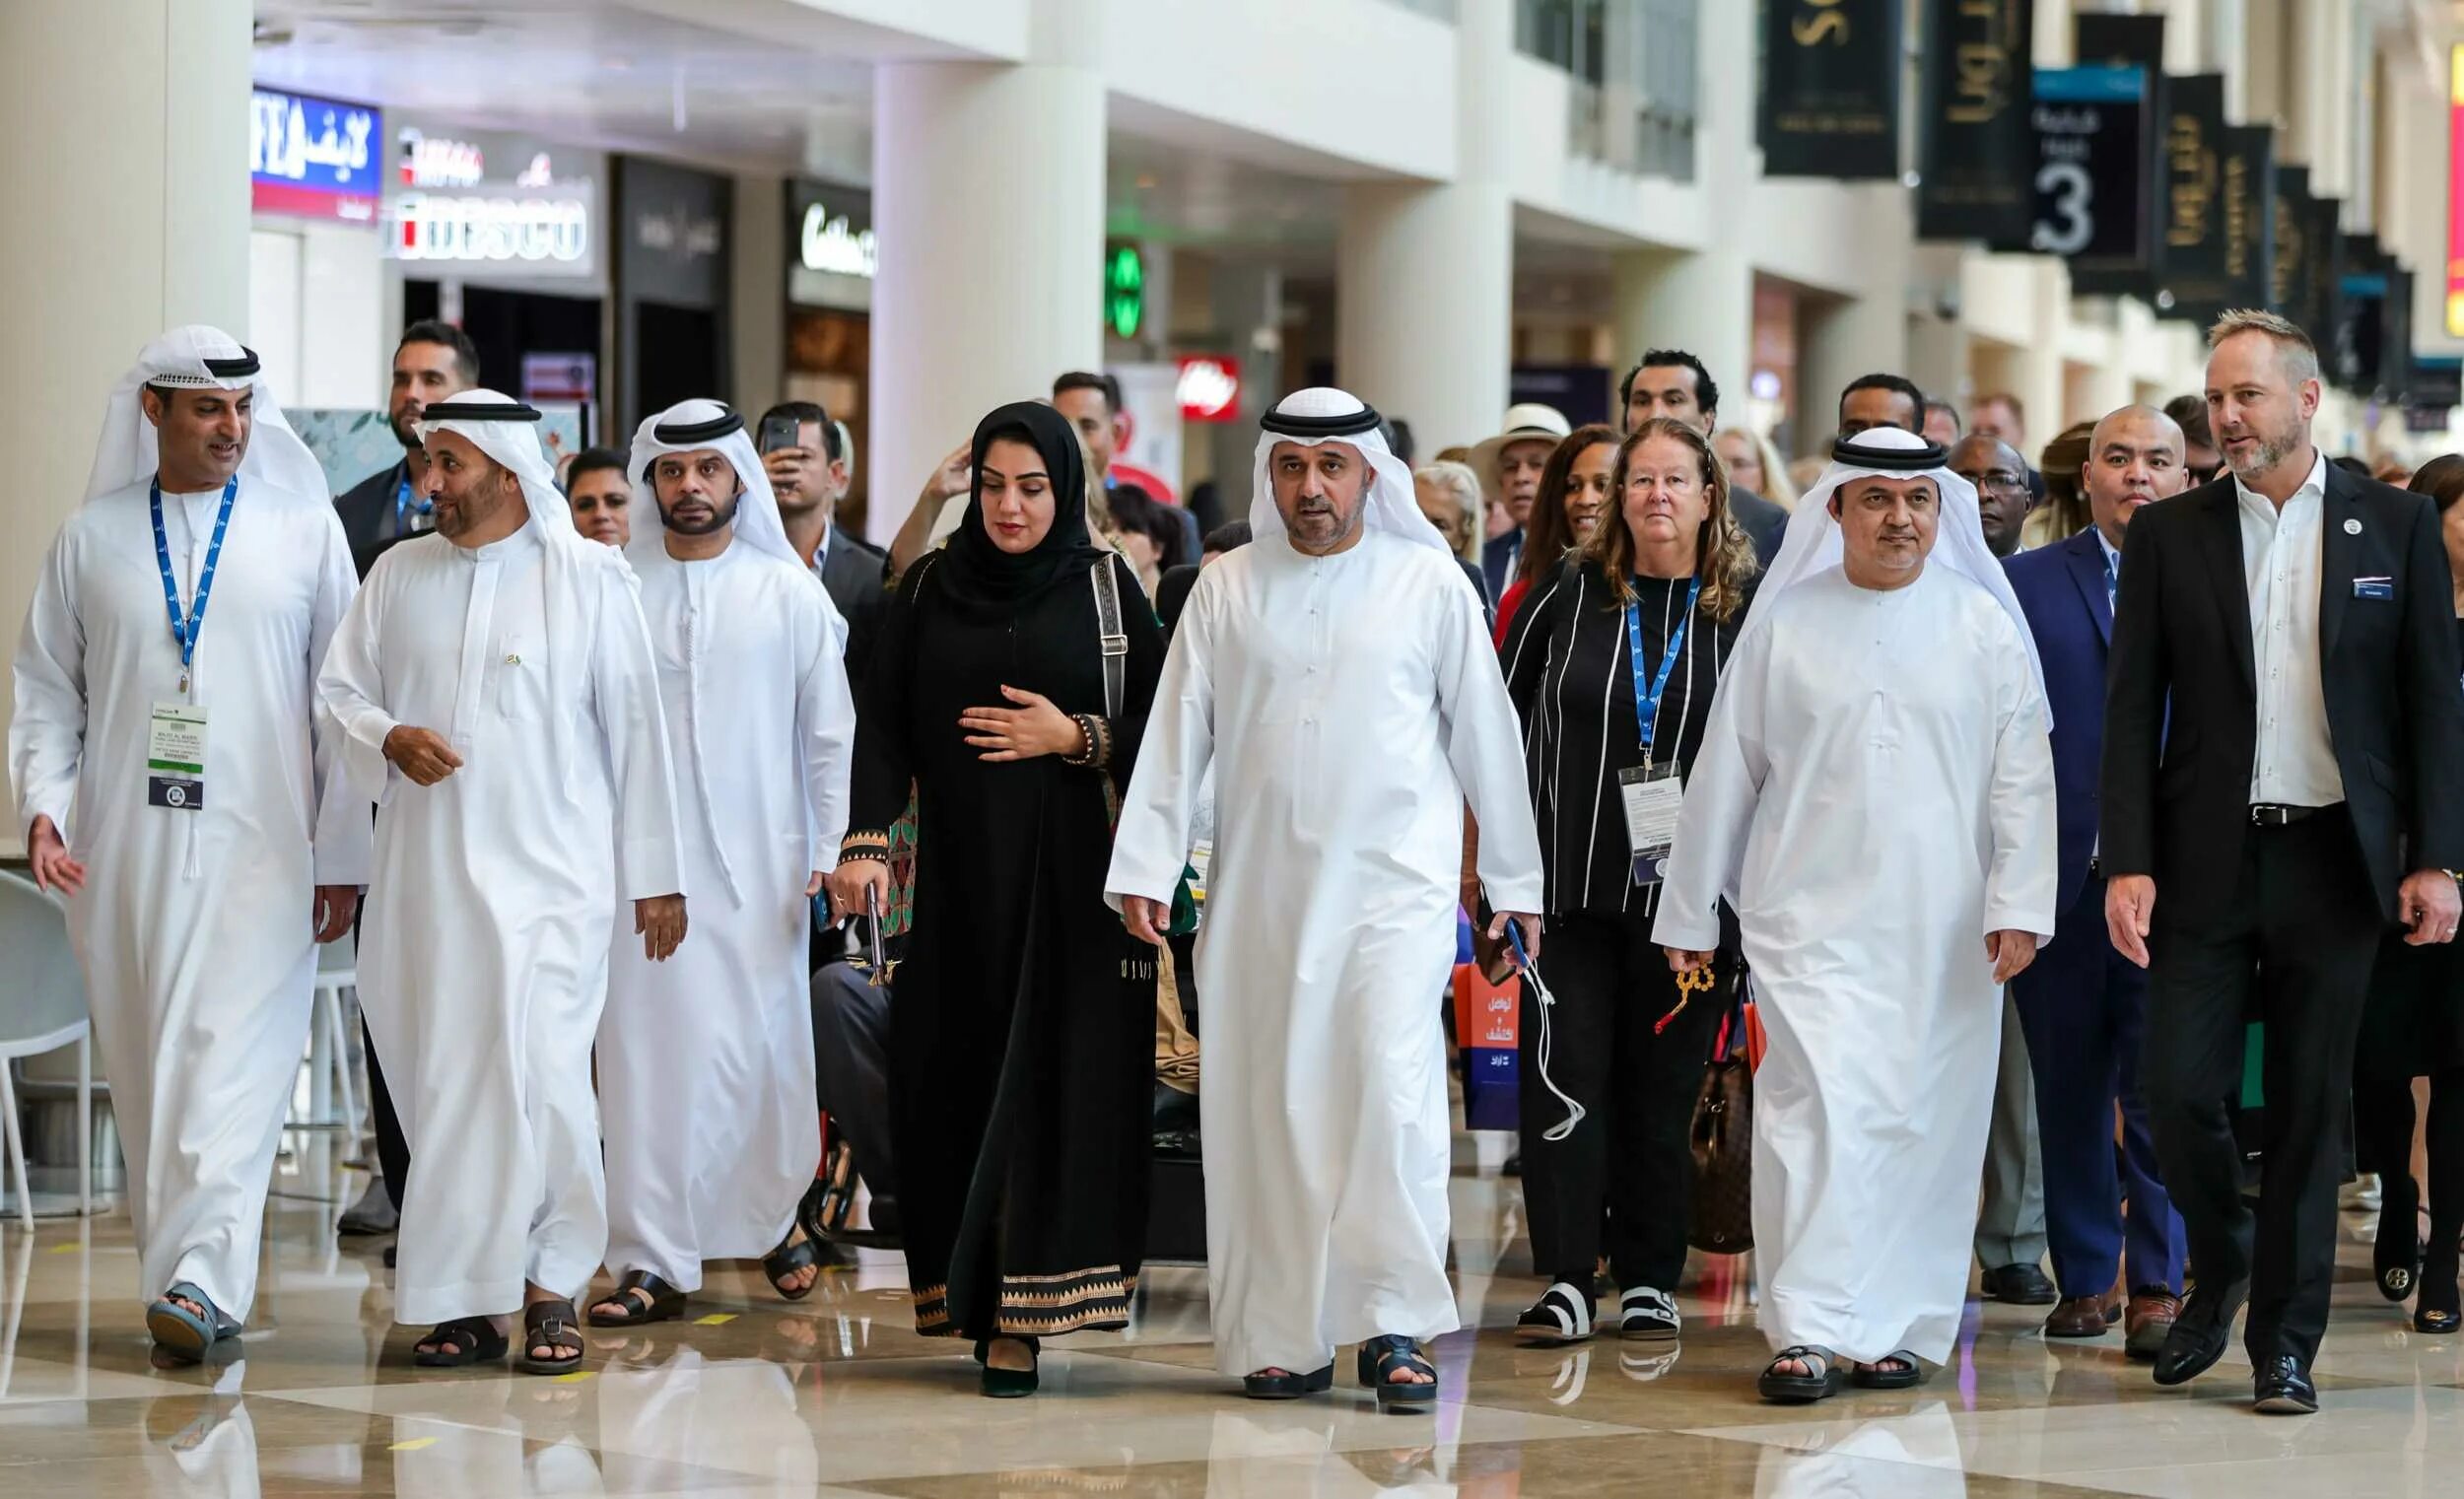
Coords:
pixel 851 572
pixel 2182 629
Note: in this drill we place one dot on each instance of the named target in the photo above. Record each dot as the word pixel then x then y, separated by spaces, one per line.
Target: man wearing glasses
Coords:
pixel 2003 494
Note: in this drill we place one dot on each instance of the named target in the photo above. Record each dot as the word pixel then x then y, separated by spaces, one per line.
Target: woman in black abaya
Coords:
pixel 1022 1037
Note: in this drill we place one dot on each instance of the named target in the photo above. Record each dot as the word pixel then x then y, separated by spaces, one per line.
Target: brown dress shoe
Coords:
pixel 2153 1312
pixel 2083 1316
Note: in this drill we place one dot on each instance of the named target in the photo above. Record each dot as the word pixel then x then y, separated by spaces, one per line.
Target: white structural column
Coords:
pixel 1843 339
pixel 988 200
pixel 127 185
pixel 1424 274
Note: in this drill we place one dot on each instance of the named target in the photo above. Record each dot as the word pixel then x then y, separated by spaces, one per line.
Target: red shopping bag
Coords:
pixel 1488 1036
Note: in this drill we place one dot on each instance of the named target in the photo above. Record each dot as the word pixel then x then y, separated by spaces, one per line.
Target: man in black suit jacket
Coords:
pixel 2282 733
pixel 433 361
pixel 809 476
pixel 1673 384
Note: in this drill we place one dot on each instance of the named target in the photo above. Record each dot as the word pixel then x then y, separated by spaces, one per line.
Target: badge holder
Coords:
pixel 1653 799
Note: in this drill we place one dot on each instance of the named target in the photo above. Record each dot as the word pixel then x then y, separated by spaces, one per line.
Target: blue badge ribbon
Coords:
pixel 1647 700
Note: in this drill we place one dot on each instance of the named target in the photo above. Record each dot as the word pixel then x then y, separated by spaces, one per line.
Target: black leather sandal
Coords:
pixel 787 1260
pixel 1381 1358
pixel 665 1303
pixel 1284 1385
pixel 1907 1375
pixel 1780 1389
pixel 549 1325
pixel 475 1341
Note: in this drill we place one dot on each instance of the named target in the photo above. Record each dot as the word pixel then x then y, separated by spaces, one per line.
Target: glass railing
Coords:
pixel 1632 65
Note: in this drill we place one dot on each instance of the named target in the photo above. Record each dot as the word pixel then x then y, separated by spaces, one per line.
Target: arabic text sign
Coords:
pixel 314 158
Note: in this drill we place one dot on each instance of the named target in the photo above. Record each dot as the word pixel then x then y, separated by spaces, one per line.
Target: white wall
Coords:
pixel 316 312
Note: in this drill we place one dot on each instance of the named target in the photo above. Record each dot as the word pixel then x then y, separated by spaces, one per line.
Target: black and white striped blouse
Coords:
pixel 1566 661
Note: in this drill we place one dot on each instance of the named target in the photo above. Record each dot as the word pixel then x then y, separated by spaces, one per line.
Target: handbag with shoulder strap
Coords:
pixel 1721 1141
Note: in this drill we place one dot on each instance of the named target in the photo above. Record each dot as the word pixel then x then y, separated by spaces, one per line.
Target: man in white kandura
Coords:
pixel 1875 794
pixel 495 690
pixel 705 1062
pixel 218 858
pixel 1338 677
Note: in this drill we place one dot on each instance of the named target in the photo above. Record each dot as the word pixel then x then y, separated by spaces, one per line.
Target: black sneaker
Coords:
pixel 1646 1313
pixel 1562 1315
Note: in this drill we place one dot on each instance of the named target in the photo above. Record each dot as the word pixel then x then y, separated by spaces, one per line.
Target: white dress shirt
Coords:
pixel 2281 559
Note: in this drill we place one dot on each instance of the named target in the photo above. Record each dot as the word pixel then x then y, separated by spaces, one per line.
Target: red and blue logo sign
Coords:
pixel 314 158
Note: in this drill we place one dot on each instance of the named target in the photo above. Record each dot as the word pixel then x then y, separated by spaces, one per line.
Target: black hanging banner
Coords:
pixel 1830 90
pixel 2354 351
pixel 2325 271
pixel 2102 38
pixel 2248 193
pixel 1979 147
pixel 2288 273
pixel 2192 246
pixel 2091 140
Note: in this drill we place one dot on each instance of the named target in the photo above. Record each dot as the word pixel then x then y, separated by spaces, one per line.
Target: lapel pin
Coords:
pixel 2353 527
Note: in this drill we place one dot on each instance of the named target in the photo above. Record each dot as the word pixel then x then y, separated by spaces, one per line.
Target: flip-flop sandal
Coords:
pixel 1283 1384
pixel 552 1325
pixel 182 1333
pixel 787 1260
pixel 666 1303
pixel 1379 1358
pixel 1907 1377
pixel 1802 1389
pixel 475 1341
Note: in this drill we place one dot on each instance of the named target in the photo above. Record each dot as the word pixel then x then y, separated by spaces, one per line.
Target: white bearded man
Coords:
pixel 1337 676
pixel 496 688
pixel 706 1062
pixel 187 767
pixel 1875 796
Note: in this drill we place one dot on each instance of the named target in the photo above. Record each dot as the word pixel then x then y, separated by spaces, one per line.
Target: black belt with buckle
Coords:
pixel 2271 814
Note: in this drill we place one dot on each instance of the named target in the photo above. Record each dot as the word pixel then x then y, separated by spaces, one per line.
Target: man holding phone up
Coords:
pixel 805 454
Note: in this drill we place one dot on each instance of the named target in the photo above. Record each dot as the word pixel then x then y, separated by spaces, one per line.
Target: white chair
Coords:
pixel 42 1008
pixel 337 969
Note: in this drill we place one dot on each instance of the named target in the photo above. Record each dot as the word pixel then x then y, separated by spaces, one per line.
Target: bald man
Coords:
pixel 2082 1004
pixel 2004 496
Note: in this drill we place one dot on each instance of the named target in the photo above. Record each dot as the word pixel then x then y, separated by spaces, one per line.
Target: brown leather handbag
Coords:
pixel 1723 1136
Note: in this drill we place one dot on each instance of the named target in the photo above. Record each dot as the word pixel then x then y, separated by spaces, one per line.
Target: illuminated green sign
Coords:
pixel 1124 291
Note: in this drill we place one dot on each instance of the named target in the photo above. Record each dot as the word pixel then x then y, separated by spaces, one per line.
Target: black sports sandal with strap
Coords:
pixel 1284 1385
pixel 792 1255
pixel 1381 1358
pixel 665 1303
pixel 1780 1389
pixel 474 1340
pixel 1880 1375
pixel 550 1324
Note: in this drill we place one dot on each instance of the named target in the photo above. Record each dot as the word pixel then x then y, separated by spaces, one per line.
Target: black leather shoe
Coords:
pixel 2281 1387
pixel 2020 1285
pixel 2199 1337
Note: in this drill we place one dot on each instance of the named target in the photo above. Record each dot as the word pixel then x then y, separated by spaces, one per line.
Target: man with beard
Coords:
pixel 499 702
pixel 433 361
pixel 173 785
pixel 1336 676
pixel 706 1064
pixel 2281 742
pixel 2082 1004
pixel 2003 498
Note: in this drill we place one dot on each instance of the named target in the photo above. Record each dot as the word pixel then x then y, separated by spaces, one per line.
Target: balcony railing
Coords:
pixel 1633 67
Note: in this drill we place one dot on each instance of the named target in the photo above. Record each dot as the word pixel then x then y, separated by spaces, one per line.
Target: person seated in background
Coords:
pixel 597 490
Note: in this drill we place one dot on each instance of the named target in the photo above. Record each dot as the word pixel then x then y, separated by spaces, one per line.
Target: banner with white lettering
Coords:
pixel 1980 146
pixel 2091 140
pixel 2191 254
pixel 1830 90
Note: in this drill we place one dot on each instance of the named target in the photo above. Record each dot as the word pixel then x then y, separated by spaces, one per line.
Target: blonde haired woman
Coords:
pixel 1755 463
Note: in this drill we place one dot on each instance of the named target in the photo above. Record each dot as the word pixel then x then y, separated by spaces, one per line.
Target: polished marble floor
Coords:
pixel 838 1397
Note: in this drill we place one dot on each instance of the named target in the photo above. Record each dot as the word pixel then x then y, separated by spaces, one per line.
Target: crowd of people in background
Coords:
pixel 2006 783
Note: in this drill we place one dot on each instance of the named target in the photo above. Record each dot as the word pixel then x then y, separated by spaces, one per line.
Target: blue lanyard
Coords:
pixel 402 501
pixel 1647 701
pixel 185 629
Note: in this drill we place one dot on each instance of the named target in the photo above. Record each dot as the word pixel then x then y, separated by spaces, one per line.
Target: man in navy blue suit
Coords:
pixel 2081 1003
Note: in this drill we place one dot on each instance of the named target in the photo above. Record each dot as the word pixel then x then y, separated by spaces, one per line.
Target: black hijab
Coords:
pixel 977 573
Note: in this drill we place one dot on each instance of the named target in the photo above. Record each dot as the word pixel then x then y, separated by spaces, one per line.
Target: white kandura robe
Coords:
pixel 1875 786
pixel 195 929
pixel 706 1062
pixel 1349 705
pixel 484 955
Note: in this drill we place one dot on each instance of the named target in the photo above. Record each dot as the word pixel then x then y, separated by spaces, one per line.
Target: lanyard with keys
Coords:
pixel 186 627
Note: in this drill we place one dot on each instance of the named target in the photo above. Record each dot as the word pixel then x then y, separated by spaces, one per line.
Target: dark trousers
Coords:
pixel 2293 950
pixel 850 1067
pixel 2084 1009
pixel 393 1151
pixel 1631 1153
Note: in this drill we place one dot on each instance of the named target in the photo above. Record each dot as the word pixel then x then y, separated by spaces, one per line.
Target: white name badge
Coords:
pixel 176 757
pixel 1653 799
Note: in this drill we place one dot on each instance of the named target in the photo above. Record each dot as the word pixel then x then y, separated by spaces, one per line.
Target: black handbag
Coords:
pixel 1723 1142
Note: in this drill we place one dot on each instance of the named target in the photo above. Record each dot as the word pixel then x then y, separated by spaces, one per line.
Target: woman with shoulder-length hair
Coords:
pixel 1022 1043
pixel 1573 498
pixel 1613 665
